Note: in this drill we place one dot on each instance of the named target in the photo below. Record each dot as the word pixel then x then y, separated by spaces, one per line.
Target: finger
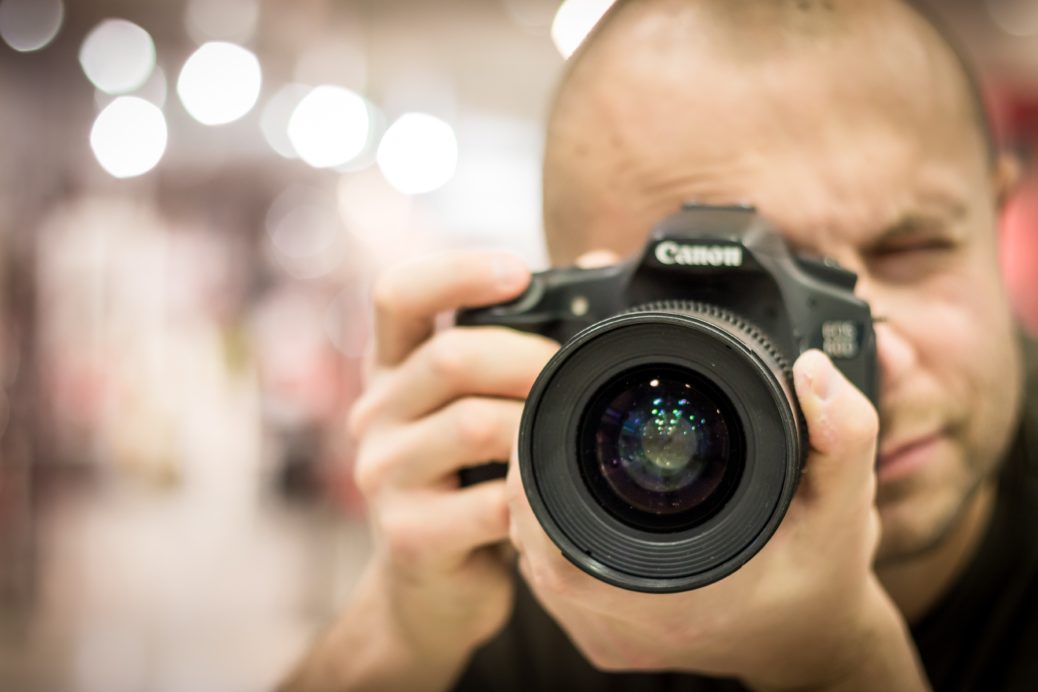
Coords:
pixel 597 258
pixel 409 296
pixel 842 425
pixel 551 576
pixel 368 365
pixel 547 571
pixel 419 530
pixel 458 362
pixel 467 432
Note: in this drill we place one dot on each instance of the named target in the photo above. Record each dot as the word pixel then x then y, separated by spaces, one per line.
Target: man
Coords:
pixel 852 127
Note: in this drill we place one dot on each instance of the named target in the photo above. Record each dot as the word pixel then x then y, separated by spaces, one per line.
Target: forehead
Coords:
pixel 831 144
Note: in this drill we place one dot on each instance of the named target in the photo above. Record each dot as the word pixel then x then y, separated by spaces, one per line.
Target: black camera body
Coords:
pixel 662 445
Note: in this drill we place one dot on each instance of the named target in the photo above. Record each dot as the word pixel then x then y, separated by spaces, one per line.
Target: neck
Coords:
pixel 917 583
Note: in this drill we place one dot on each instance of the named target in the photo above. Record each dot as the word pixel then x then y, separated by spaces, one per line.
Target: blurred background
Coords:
pixel 195 196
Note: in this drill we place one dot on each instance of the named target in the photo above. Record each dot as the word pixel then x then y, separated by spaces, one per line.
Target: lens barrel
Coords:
pixel 660 448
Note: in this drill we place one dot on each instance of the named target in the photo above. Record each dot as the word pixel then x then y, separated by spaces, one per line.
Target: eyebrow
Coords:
pixel 917 222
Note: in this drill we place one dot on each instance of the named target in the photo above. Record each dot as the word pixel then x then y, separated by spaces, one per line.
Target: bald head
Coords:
pixel 668 99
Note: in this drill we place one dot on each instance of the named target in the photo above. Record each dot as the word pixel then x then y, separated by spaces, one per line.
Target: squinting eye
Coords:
pixel 921 248
pixel 910 261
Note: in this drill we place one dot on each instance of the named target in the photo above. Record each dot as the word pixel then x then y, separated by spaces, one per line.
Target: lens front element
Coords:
pixel 661 448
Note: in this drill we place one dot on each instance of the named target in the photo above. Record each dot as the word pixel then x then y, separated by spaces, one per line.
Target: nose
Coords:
pixel 895 354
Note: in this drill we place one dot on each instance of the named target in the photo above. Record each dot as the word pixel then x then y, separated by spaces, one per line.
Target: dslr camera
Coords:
pixel 661 446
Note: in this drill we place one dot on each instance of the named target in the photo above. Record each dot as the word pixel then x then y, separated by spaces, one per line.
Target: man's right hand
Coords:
pixel 438 584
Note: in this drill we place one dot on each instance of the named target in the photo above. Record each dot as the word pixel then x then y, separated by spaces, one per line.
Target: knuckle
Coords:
pixel 369 472
pixel 447 355
pixel 368 361
pixel 514 536
pixel 874 534
pixel 514 491
pixel 376 404
pixel 615 651
pixel 604 659
pixel 869 490
pixel 356 420
pixel 385 294
pixel 601 662
pixel 488 513
pixel 475 425
pixel 863 428
pixel 364 411
pixel 497 517
pixel 548 580
pixel 402 540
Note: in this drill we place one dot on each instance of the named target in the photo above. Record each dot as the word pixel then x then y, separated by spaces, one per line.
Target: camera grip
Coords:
pixel 484 472
pixel 518 314
pixel 526 312
pixel 556 304
pixel 546 307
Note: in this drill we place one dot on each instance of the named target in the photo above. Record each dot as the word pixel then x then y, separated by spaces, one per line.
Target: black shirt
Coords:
pixel 983 635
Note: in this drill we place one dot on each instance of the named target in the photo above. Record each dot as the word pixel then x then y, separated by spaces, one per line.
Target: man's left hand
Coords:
pixel 806 612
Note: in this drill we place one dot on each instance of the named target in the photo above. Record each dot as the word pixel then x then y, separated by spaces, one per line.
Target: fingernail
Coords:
pixel 825 380
pixel 509 272
pixel 597 258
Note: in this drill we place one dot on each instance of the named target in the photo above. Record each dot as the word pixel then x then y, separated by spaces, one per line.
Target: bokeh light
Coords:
pixel 495 196
pixel 154 89
pixel 366 158
pixel 28 25
pixel 318 228
pixel 117 56
pixel 329 126
pixel 574 21
pixel 347 322
pixel 225 20
pixel 219 83
pixel 305 231
pixel 418 153
pixel 129 137
pixel 375 212
pixel 385 224
pixel 277 113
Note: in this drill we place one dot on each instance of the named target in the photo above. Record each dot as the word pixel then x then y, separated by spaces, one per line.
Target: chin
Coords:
pixel 918 513
pixel 919 518
pixel 909 533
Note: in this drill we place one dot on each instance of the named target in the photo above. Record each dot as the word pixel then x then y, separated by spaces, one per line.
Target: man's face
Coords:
pixel 878 166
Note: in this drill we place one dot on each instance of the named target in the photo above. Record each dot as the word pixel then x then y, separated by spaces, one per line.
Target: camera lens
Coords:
pixel 661 448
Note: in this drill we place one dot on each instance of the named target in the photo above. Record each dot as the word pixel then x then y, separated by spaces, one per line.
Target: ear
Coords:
pixel 1006 178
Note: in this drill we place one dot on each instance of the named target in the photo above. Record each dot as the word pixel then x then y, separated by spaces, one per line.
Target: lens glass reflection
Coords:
pixel 661 447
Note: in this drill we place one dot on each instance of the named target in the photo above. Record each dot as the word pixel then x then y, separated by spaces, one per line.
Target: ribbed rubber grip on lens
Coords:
pixel 748 332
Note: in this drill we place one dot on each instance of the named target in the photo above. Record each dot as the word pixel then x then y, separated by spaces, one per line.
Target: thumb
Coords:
pixel 842 426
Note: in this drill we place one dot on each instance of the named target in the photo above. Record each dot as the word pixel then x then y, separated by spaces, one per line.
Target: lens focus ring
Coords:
pixel 747 330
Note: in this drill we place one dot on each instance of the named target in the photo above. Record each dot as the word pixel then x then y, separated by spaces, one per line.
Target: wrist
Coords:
pixel 371 647
pixel 408 643
pixel 873 650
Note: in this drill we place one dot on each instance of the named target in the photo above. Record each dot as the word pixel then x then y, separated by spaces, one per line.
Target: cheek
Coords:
pixel 952 322
pixel 958 325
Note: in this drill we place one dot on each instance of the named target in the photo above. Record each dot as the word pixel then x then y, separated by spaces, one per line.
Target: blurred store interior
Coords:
pixel 195 196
